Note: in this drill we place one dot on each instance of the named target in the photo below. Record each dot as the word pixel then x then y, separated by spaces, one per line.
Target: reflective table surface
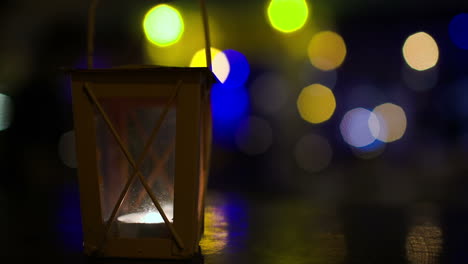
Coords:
pixel 253 228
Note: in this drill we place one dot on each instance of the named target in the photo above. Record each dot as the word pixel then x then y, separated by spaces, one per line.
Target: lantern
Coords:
pixel 143 136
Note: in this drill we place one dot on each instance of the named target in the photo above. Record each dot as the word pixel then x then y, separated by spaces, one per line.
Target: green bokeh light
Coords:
pixel 163 25
pixel 288 15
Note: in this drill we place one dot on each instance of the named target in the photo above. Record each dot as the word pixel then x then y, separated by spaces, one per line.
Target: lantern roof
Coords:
pixel 147 70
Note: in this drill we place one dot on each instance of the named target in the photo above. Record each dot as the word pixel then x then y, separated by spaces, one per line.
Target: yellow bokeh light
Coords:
pixel 220 63
pixel 216 235
pixel 392 122
pixel 326 50
pixel 199 58
pixel 180 53
pixel 421 51
pixel 163 25
pixel 316 103
pixel 287 15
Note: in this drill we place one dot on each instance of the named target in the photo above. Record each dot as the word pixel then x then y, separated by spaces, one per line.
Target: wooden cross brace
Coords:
pixel 136 165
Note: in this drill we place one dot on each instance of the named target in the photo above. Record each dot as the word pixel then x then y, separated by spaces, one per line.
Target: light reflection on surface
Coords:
pixel 423 243
pixel 216 234
pixel 269 231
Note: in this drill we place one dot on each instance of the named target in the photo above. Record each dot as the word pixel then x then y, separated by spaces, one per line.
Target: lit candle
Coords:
pixel 142 218
pixel 143 224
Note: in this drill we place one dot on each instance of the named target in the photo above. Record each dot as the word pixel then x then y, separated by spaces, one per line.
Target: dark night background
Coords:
pixel 408 204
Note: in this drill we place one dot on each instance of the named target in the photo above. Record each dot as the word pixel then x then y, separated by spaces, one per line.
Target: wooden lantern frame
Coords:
pixel 186 89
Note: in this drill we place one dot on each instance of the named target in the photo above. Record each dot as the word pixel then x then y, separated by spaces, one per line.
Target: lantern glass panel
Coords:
pixel 134 120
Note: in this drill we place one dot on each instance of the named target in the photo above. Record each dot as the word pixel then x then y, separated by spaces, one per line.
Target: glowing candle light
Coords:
pixel 142 218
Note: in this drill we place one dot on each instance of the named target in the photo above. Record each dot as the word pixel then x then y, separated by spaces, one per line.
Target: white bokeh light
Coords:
pixel 358 127
pixel 67 149
pixel 6 111
pixel 221 67
pixel 391 121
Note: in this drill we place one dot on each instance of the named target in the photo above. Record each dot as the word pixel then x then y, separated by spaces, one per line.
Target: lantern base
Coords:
pixel 128 250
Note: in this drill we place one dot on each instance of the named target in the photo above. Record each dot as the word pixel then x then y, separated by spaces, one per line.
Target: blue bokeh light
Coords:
pixel 239 69
pixel 372 147
pixel 229 107
pixel 458 98
pixel 458 30
pixel 69 227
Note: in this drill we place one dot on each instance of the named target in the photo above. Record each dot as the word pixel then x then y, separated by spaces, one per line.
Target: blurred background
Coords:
pixel 356 107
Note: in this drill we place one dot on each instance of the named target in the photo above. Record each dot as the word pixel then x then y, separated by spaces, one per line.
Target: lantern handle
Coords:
pixel 206 29
pixel 92 31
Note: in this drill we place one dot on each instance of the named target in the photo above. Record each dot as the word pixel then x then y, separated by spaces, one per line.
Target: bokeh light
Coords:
pixel 326 50
pixel 316 103
pixel 269 92
pixel 457 96
pixel 391 122
pixel 458 30
pixel 163 25
pixel 287 15
pixel 358 126
pixel 221 67
pixel 6 111
pixel 239 69
pixel 192 40
pixel 228 105
pixel 67 149
pixel 199 58
pixel 313 153
pixel 220 64
pixel 254 136
pixel 420 51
